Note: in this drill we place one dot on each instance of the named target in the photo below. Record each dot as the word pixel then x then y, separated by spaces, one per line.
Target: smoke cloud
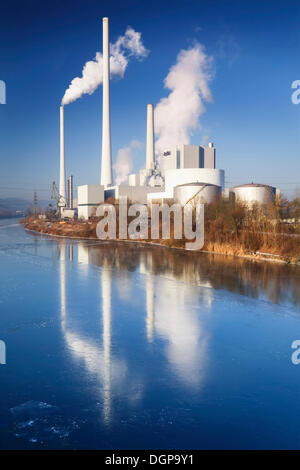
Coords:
pixel 127 46
pixel 177 116
pixel 124 164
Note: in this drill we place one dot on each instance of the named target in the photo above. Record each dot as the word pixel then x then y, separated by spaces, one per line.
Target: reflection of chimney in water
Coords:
pixel 146 269
pixel 150 306
pixel 70 249
pixel 106 337
pixel 62 283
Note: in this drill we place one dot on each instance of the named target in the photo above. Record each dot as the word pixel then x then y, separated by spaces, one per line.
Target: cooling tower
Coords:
pixel 106 169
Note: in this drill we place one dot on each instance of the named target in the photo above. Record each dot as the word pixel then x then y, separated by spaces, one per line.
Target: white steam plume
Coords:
pixel 178 115
pixel 129 45
pixel 124 164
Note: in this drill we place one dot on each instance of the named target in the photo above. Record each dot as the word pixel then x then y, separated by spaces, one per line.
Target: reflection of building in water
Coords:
pixel 97 360
pixel 171 313
pixel 170 300
pixel 179 312
pixel 150 306
pixel 179 291
pixel 95 255
pixel 83 259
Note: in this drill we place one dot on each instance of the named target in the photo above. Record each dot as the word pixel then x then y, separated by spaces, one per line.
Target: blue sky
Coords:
pixel 252 121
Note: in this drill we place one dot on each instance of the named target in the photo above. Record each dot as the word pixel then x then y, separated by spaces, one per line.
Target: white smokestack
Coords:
pixel 62 172
pixel 150 138
pixel 106 171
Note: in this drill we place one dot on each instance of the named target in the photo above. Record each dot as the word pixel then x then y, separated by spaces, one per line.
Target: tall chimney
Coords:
pixel 106 172
pixel 150 138
pixel 62 172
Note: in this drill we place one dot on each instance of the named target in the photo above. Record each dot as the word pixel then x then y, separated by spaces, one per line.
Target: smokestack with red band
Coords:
pixel 106 170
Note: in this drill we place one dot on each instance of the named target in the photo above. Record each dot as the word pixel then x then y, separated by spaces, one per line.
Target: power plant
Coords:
pixel 183 173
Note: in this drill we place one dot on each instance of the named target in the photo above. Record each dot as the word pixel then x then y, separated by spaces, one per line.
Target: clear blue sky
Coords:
pixel 252 121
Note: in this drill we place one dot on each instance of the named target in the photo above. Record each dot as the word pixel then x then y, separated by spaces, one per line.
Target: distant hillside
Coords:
pixel 14 207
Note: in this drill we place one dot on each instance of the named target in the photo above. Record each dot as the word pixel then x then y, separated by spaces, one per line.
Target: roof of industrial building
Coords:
pixel 196 184
pixel 253 185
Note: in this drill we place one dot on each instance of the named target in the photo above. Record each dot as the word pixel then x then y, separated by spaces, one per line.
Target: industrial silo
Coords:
pixel 196 193
pixel 254 193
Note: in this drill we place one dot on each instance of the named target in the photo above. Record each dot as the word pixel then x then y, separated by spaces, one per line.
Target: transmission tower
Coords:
pixel 35 204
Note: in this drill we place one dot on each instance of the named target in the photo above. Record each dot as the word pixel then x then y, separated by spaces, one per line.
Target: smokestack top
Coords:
pixel 104 19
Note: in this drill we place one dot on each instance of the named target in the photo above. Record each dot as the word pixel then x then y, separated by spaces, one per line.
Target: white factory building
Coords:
pixel 182 173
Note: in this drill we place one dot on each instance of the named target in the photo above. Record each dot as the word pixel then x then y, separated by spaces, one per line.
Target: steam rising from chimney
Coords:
pixel 178 115
pixel 124 164
pixel 127 46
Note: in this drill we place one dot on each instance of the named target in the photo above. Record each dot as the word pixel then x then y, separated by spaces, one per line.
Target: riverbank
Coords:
pixel 86 230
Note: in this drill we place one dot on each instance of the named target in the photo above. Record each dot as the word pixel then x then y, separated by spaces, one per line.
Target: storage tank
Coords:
pixel 196 193
pixel 251 193
pixel 175 177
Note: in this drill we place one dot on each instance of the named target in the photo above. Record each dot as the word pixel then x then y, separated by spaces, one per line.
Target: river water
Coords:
pixel 114 346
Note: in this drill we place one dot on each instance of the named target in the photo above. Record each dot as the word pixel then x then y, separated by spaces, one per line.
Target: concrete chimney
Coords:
pixel 62 170
pixel 150 138
pixel 106 171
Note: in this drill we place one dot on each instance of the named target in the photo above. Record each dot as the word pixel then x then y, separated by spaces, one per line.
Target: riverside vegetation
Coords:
pixel 231 228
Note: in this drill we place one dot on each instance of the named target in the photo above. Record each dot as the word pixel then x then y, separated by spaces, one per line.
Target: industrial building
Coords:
pixel 183 173
pixel 188 164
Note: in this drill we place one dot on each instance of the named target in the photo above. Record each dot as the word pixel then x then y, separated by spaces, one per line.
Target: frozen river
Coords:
pixel 115 347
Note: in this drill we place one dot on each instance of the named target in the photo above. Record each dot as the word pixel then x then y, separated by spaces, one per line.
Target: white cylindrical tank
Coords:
pixel 106 170
pixel 203 193
pixel 251 193
pixel 179 176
